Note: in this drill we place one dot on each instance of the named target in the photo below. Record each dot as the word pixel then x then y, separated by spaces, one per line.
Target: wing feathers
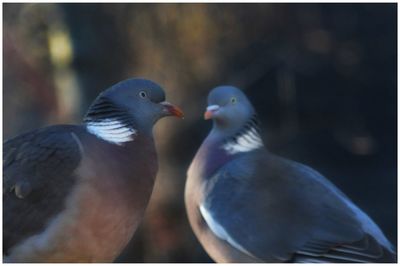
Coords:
pixel 366 250
pixel 38 172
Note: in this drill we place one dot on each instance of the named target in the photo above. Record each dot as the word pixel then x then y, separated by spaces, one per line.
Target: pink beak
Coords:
pixel 211 110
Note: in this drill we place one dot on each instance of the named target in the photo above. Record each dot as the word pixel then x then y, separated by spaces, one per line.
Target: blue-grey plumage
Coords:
pixel 77 193
pixel 247 205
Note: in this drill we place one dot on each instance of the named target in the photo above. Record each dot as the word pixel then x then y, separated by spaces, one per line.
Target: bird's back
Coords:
pixel 248 205
pixel 66 191
pixel 37 176
pixel 293 205
pixel 303 171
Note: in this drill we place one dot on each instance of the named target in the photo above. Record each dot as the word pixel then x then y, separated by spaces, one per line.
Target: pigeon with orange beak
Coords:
pixel 77 193
pixel 246 204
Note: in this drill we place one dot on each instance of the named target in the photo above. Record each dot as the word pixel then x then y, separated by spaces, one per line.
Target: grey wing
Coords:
pixel 288 212
pixel 37 176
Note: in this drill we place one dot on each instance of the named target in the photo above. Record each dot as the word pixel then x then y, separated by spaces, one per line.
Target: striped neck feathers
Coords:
pixel 246 139
pixel 109 122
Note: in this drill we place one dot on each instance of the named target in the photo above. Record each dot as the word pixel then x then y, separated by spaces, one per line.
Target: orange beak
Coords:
pixel 172 110
pixel 208 115
pixel 211 110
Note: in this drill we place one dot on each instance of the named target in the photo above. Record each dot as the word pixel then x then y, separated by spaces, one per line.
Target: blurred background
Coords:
pixel 323 78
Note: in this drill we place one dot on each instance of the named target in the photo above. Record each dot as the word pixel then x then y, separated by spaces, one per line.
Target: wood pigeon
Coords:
pixel 247 205
pixel 76 193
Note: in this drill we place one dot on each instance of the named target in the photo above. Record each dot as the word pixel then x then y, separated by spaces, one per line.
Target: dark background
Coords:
pixel 321 76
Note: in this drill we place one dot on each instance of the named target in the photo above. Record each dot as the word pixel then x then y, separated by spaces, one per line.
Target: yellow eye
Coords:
pixel 233 100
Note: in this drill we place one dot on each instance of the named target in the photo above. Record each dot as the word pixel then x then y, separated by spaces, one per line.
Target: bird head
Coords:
pixel 138 101
pixel 229 108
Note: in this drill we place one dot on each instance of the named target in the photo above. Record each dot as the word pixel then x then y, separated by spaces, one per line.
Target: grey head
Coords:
pixel 127 107
pixel 234 119
pixel 229 108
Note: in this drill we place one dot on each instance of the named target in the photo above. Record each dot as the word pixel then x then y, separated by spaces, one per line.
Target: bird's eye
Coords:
pixel 143 94
pixel 233 100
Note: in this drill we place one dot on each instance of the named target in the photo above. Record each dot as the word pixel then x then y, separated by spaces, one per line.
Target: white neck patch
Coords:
pixel 247 141
pixel 112 130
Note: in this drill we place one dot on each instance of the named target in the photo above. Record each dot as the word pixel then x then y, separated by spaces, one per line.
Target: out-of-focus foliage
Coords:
pixel 322 77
